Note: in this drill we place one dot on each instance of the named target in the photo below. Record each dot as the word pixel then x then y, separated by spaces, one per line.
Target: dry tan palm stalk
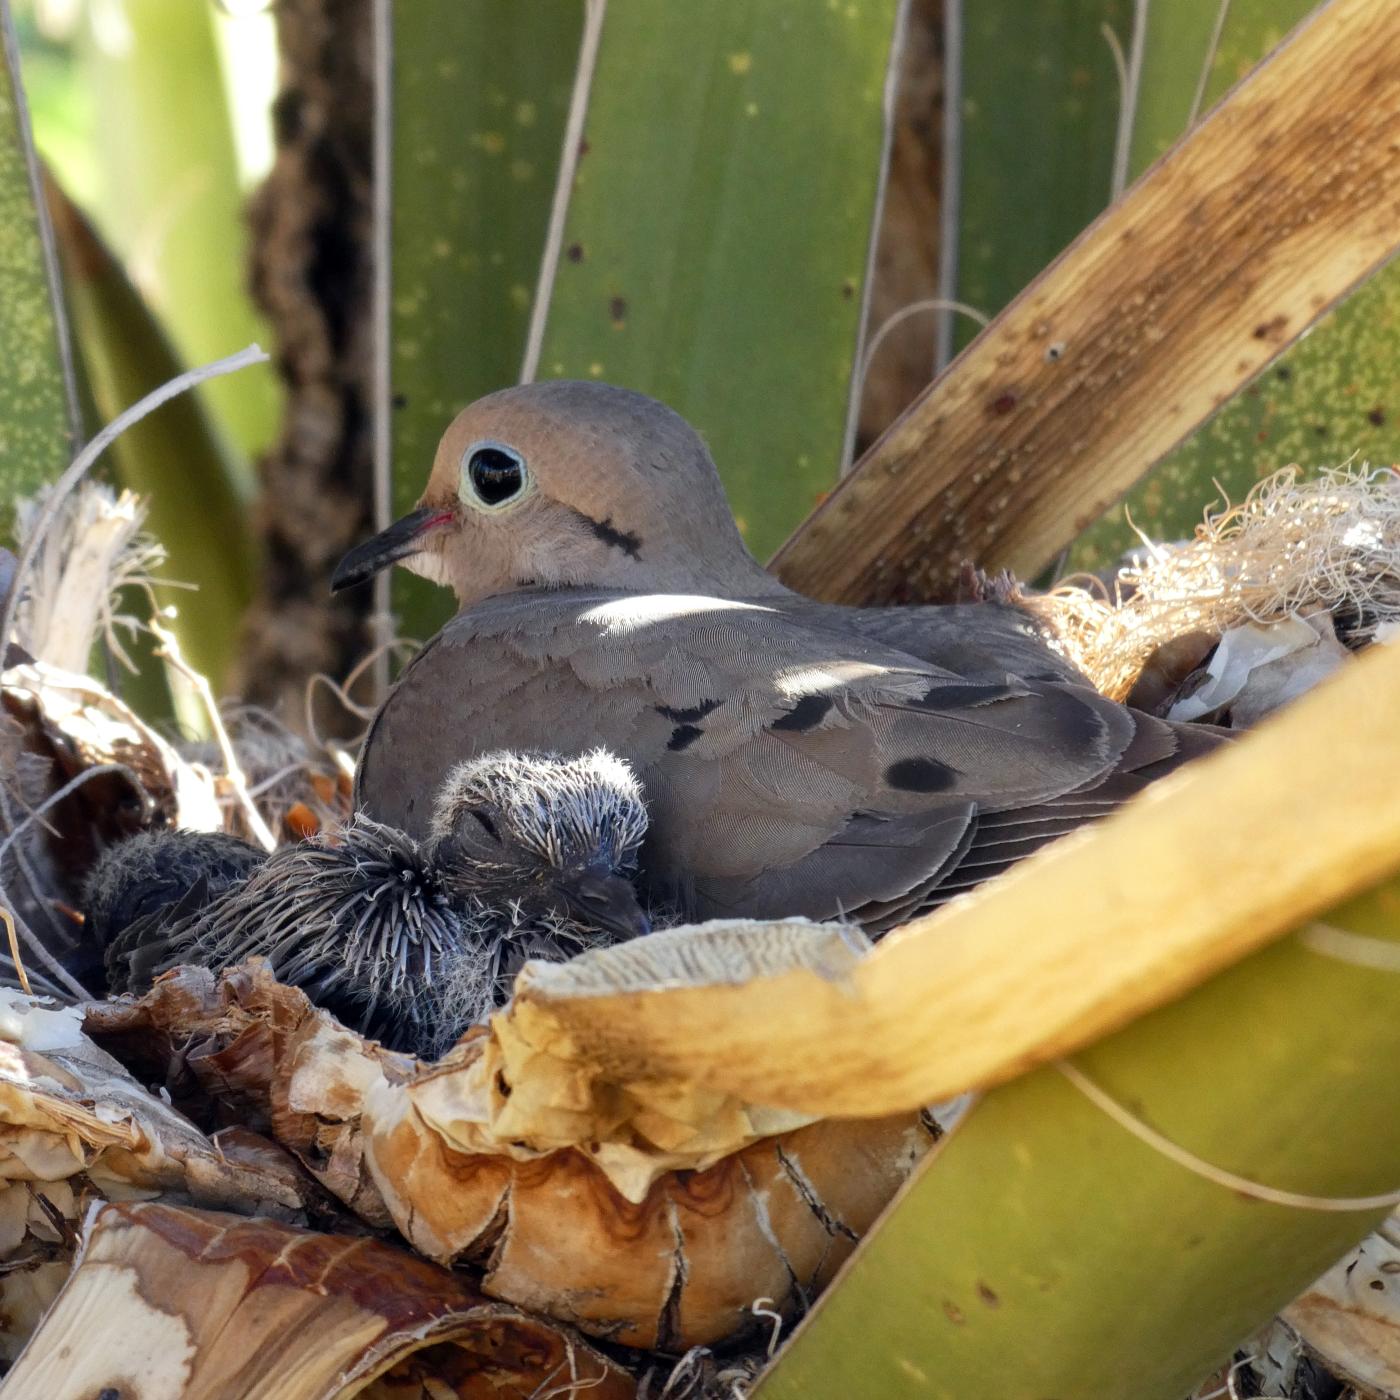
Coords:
pixel 1290 548
pixel 76 1128
pixel 653 1215
pixel 172 1302
pixel 1224 252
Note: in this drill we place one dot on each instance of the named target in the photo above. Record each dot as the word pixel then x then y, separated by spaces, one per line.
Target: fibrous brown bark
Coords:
pixel 311 225
pixel 906 250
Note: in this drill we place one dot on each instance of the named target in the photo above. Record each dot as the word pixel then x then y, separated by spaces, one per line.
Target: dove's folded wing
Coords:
pixel 790 767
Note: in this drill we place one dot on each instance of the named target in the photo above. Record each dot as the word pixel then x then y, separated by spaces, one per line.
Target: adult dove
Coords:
pixel 798 758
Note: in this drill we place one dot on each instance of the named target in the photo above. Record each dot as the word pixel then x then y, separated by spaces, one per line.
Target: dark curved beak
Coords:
pixel 402 538
pixel 605 902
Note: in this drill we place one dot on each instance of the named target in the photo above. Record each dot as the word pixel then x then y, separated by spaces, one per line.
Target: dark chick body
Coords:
pixel 410 941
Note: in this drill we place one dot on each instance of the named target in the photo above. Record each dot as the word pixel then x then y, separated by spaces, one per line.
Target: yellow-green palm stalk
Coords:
pixel 1046 1250
pixel 38 403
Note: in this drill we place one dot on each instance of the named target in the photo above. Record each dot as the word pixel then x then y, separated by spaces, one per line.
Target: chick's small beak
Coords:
pixel 605 902
pixel 402 538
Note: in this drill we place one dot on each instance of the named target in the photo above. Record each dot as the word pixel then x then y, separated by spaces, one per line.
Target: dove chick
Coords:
pixel 152 871
pixel 412 941
pixel 798 757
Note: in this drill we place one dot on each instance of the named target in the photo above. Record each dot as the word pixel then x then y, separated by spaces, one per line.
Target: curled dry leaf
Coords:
pixel 77 724
pixel 167 1301
pixel 652 1213
pixel 1257 668
pixel 76 1128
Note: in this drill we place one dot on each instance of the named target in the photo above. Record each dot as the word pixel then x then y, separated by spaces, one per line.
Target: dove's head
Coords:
pixel 567 483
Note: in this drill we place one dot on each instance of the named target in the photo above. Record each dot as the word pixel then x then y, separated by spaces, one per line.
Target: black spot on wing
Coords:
pixel 806 714
pixel 693 715
pixel 625 540
pixel 920 775
pixel 683 736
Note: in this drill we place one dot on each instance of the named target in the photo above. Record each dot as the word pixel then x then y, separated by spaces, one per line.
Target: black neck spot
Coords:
pixel 625 540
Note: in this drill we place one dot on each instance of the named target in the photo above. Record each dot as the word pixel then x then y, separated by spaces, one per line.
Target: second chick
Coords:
pixel 409 942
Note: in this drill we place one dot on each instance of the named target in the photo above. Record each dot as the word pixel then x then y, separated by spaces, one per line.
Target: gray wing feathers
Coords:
pixel 790 767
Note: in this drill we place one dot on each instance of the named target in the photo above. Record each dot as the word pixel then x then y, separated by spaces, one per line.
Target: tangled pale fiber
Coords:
pixel 1291 547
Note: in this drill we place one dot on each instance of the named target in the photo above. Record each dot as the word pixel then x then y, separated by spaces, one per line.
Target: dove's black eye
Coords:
pixel 494 476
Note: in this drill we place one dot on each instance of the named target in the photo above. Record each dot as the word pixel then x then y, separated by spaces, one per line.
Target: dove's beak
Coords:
pixel 402 538
pixel 605 902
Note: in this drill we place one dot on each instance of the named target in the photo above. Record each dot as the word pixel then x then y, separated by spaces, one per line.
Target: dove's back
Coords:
pixel 794 761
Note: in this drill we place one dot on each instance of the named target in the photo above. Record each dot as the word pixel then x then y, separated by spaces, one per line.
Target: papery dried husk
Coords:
pixel 75 1128
pixel 171 1302
pixel 69 1108
pixel 77 724
pixel 649 1213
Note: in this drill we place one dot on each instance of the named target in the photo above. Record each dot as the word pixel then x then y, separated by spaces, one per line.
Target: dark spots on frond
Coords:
pixel 961 697
pixel 920 775
pixel 627 541
pixel 683 736
pixel 806 714
pixel 691 716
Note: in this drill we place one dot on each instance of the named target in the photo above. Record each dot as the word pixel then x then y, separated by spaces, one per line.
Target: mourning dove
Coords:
pixel 410 941
pixel 798 758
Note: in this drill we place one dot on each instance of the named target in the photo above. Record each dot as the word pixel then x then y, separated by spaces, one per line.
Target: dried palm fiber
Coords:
pixel 68 742
pixel 78 1129
pixel 1289 548
pixel 299 787
pixel 651 1214
pixel 97 573
pixel 407 941
pixel 90 559
pixel 167 1301
pixel 94 552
